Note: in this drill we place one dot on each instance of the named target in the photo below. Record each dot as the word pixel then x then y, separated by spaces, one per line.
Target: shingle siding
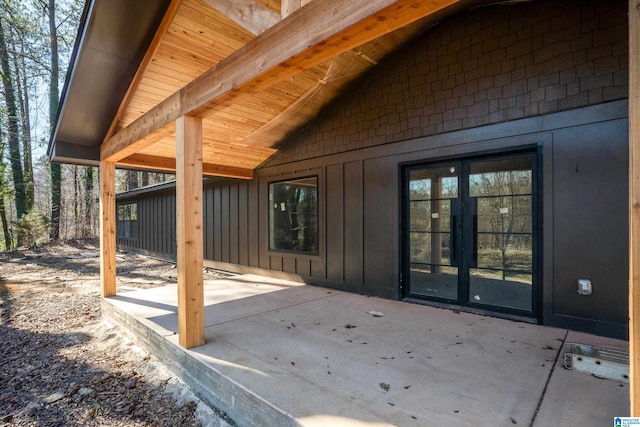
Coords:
pixel 490 65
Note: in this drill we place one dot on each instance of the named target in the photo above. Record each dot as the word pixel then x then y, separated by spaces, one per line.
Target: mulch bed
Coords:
pixel 60 364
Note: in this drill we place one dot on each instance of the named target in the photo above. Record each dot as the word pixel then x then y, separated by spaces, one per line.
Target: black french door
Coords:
pixel 470 232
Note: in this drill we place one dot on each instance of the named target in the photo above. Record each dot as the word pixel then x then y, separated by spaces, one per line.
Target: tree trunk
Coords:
pixel 5 225
pixel 88 201
pixel 23 101
pixel 3 212
pixel 76 203
pixel 56 170
pixel 132 180
pixel 12 126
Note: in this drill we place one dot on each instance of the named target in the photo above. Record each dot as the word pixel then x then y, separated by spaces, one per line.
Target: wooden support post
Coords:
pixel 189 237
pixel 108 228
pixel 634 205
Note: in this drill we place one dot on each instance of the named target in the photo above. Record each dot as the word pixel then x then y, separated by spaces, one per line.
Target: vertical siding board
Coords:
pixel 275 262
pixel 303 267
pixel 334 223
pixel 209 228
pixel 378 224
pixel 157 219
pixel 173 250
pixel 159 224
pixel 289 264
pixel 317 269
pixel 156 225
pixel 149 225
pixel 253 238
pixel 233 223
pixel 353 222
pixel 217 224
pixel 243 224
pixel 172 230
pixel 205 223
pixel 146 210
pixel 225 222
pixel 263 221
pixel 164 231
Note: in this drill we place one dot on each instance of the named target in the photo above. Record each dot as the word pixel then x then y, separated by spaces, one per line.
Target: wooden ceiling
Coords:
pixel 243 124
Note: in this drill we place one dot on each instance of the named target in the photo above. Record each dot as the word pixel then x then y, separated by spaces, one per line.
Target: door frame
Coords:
pixel 535 150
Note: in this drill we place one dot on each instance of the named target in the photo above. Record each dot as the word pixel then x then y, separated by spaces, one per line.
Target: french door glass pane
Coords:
pixel 503 242
pixel 430 193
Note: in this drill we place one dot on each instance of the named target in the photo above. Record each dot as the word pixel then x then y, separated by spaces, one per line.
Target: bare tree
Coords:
pixel 89 205
pixel 13 127
pixel 6 233
pixel 56 169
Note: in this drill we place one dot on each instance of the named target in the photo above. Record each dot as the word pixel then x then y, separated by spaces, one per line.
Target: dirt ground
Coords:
pixel 60 364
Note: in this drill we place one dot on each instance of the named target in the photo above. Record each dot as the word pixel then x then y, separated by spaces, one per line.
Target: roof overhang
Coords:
pixel 112 39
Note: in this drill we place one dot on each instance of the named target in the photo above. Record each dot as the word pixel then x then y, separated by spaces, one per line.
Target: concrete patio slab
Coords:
pixel 575 398
pixel 282 353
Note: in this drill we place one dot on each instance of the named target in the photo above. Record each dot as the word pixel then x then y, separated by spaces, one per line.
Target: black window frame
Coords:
pixel 271 246
pixel 127 222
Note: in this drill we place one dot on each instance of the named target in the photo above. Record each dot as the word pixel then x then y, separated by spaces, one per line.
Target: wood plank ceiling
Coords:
pixel 241 133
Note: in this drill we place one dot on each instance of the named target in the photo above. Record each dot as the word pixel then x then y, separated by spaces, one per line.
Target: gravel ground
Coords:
pixel 61 365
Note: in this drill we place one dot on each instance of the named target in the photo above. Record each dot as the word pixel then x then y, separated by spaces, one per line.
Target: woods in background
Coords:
pixel 40 200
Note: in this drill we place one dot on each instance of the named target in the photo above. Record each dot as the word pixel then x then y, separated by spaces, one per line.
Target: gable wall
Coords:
pixel 491 65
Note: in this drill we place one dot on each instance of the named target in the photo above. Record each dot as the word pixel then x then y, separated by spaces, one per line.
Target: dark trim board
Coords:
pixel 610 329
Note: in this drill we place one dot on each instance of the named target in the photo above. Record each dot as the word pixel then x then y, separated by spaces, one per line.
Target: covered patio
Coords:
pixel 283 353
pixel 216 99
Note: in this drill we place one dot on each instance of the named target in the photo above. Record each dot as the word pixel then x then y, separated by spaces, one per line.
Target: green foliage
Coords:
pixel 34 227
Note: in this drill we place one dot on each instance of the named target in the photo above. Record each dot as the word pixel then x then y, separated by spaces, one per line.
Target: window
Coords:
pixel 128 220
pixel 293 215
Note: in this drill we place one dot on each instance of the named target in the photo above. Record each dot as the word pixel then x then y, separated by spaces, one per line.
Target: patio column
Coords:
pixel 107 228
pixel 634 205
pixel 189 233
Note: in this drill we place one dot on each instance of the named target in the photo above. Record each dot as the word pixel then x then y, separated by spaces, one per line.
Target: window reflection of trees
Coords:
pixel 504 220
pixel 430 191
pixel 294 215
pixel 503 192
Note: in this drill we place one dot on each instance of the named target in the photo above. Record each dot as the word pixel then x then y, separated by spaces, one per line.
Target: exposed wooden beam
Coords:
pixel 143 161
pixel 148 56
pixel 250 15
pixel 107 228
pixel 317 32
pixel 189 232
pixel 634 205
pixel 228 171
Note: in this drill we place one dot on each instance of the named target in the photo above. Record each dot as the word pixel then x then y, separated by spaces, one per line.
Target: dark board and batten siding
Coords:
pixel 156 225
pixel 547 73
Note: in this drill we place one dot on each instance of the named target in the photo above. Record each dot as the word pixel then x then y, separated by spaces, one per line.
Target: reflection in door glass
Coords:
pixel 503 239
pixel 433 194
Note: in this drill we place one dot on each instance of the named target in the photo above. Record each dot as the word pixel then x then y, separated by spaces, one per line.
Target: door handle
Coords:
pixel 474 233
pixel 453 240
pixel 454 250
